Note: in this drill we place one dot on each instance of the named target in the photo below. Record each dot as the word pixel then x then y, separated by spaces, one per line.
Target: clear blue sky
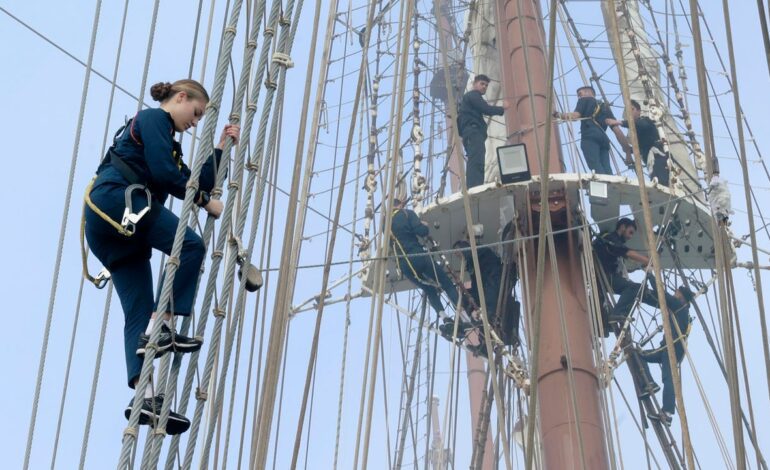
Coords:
pixel 41 92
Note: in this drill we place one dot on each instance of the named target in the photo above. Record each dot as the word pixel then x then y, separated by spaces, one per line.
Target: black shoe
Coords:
pixel 479 350
pixel 663 417
pixel 651 388
pixel 169 339
pixel 150 414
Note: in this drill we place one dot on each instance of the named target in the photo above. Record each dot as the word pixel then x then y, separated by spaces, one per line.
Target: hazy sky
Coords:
pixel 41 93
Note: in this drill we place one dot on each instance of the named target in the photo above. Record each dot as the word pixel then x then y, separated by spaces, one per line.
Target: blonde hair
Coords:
pixel 162 91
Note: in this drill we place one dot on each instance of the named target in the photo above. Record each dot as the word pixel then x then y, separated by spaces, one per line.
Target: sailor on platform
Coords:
pixel 473 128
pixel 414 261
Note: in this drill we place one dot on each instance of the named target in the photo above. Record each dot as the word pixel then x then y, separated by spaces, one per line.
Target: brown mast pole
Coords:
pixel 521 40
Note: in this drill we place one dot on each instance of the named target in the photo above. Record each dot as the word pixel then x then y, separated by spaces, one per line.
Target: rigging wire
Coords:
pixel 62 233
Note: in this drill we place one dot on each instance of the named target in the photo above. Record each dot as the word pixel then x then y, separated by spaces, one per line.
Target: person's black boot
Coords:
pixel 150 414
pixel 663 417
pixel 169 339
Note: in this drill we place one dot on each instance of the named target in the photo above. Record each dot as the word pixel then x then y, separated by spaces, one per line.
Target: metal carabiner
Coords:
pixel 130 219
pixel 102 278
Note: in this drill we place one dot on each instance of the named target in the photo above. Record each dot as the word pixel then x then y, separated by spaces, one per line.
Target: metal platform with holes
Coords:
pixel 607 198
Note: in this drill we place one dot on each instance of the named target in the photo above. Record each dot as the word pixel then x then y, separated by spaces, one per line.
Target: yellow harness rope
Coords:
pixel 99 281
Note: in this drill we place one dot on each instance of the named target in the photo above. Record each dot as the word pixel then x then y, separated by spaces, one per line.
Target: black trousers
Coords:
pixel 474 141
pixel 628 290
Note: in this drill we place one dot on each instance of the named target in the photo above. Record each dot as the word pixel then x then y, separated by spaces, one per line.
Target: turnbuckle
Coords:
pixel 130 219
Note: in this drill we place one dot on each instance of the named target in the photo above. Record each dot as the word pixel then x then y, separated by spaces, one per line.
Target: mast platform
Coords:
pixel 607 197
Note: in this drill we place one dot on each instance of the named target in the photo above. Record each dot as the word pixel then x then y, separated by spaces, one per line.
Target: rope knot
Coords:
pixel 217 254
pixel 130 431
pixel 173 261
pixel 231 30
pixel 218 312
pixel 235 117
pixel 201 395
pixel 234 185
pixel 216 192
pixel 160 432
pixel 251 166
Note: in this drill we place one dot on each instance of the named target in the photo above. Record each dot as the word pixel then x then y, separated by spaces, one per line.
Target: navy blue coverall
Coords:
pixel 609 247
pixel 149 149
pixel 593 134
pixel 647 134
pixel 491 273
pixel 473 130
pixel 421 269
pixel 680 312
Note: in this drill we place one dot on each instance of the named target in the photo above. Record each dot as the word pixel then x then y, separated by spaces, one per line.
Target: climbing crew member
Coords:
pixel 594 143
pixel 491 277
pixel 650 146
pixel 679 309
pixel 473 128
pixel 140 170
pixel 610 248
pixel 421 269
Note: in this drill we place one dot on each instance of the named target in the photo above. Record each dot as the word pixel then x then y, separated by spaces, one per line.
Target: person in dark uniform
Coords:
pixel 610 248
pixel 422 270
pixel 594 143
pixel 491 277
pixel 679 309
pixel 473 128
pixel 650 146
pixel 145 166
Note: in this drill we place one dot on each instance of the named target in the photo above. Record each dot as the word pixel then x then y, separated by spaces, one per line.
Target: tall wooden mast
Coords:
pixel 563 430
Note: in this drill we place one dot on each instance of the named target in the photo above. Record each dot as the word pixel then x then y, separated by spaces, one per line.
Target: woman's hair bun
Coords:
pixel 161 91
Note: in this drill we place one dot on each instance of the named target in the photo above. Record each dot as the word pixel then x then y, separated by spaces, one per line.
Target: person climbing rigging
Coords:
pixel 595 116
pixel 142 168
pixel 413 260
pixel 473 128
pixel 611 249
pixel 491 267
pixel 679 311
pixel 650 146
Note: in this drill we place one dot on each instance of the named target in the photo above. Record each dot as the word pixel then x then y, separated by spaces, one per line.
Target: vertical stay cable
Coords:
pixel 544 223
pixel 172 264
pixel 62 234
pixel 651 243
pixel 747 183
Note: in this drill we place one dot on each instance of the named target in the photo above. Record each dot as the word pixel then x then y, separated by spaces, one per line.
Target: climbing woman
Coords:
pixel 125 218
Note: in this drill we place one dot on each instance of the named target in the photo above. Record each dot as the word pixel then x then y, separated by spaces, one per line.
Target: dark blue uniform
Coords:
pixel 647 134
pixel 149 149
pixel 473 130
pixel 491 273
pixel 609 248
pixel 593 134
pixel 680 313
pixel 421 270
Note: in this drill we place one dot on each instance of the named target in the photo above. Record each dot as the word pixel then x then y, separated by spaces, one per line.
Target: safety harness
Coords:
pixel 401 253
pixel 127 225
